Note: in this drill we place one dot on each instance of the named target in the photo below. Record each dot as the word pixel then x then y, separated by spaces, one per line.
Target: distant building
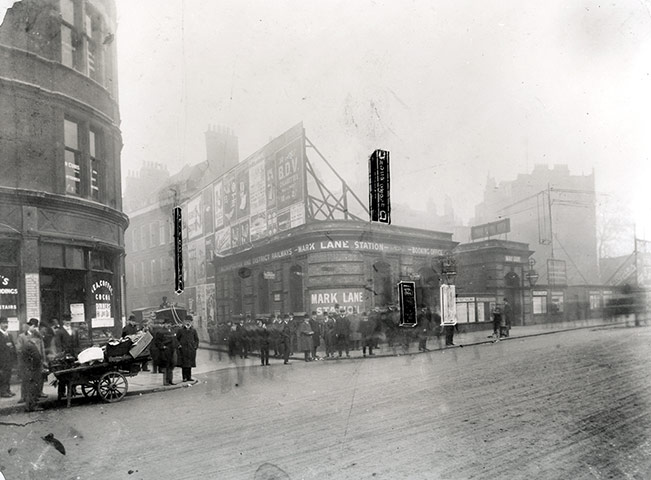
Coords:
pixel 150 195
pixel 61 220
pixel 554 212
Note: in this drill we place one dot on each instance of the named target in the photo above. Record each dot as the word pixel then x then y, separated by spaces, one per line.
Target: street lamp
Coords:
pixel 449 268
pixel 532 275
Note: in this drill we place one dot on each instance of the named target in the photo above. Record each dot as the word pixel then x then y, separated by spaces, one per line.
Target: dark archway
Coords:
pixel 382 284
pixel 296 288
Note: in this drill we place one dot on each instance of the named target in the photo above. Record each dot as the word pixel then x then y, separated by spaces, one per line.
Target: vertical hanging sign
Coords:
pixel 178 251
pixel 407 292
pixel 379 187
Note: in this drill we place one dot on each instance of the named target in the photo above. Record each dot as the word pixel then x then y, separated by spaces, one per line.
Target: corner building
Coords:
pixel 61 220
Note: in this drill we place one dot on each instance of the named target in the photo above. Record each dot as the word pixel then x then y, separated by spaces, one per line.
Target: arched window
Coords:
pixel 382 285
pixel 296 288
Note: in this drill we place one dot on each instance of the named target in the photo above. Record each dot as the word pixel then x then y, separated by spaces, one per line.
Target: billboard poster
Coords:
pixel 236 236
pixel 201 260
pixel 208 217
pixel 284 220
pixel 192 263
pixel 272 222
pixel 245 237
pixel 230 198
pixel 258 226
pixel 297 215
pixel 289 169
pixel 222 240
pixel 270 168
pixel 242 182
pixel 218 194
pixel 210 250
pixel 324 300
pixel 194 218
pixel 257 187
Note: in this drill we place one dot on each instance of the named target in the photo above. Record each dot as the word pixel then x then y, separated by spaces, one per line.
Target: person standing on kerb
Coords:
pixel 188 339
pixel 167 347
pixel 508 318
pixel 7 358
pixel 286 339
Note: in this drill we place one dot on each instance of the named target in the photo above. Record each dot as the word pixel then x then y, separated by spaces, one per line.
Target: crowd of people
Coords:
pixel 333 333
pixel 38 345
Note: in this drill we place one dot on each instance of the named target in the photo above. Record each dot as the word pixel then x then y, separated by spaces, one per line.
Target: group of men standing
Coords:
pixel 171 347
pixel 31 352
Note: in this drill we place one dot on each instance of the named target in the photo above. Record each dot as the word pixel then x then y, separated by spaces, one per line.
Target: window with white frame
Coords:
pixel 161 232
pixel 539 303
pixel 72 157
pixel 557 301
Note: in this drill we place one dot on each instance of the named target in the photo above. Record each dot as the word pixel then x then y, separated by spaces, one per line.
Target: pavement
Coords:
pixel 213 358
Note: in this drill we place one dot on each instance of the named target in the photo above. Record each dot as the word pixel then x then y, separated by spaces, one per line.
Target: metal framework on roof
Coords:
pixel 324 204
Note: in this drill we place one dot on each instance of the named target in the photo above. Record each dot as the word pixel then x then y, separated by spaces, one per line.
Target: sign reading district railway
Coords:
pixel 379 187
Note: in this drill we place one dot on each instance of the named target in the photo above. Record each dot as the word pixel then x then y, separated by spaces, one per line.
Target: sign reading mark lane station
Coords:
pixel 379 187
pixel 178 251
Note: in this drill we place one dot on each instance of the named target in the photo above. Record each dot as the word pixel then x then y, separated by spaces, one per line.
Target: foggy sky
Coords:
pixel 454 89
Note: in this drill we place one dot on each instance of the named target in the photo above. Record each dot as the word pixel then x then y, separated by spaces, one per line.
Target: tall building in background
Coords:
pixel 150 195
pixel 61 220
pixel 555 213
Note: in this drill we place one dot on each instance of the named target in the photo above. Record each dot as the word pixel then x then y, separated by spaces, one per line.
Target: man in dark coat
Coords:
pixel 342 331
pixel 166 345
pixel 264 341
pixel 424 328
pixel 130 328
pixel 286 339
pixel 31 365
pixel 7 358
pixel 188 345
pixel 316 338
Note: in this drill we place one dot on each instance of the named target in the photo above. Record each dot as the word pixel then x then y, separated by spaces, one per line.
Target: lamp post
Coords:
pixel 532 278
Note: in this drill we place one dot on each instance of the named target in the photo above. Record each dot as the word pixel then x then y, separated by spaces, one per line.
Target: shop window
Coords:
pixel 539 304
pixel 557 302
pixel 595 301
pixel 8 253
pixel 296 289
pixel 72 157
pixel 101 260
pixel 161 232
pixel 382 285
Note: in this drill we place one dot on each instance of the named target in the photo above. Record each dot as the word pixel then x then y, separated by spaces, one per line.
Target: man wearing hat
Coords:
pixel 188 345
pixel 342 331
pixel 7 358
pixel 31 356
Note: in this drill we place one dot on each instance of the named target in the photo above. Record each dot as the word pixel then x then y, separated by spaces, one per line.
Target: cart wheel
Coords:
pixel 112 387
pixel 89 389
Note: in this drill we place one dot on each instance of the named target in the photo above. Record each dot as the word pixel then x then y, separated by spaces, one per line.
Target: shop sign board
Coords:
pixel 492 229
pixel 556 272
pixel 407 292
pixel 325 300
pixel 102 300
pixel 8 294
pixel 448 305
pixel 379 187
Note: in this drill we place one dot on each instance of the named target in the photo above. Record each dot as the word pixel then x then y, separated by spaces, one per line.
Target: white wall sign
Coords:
pixel 32 295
